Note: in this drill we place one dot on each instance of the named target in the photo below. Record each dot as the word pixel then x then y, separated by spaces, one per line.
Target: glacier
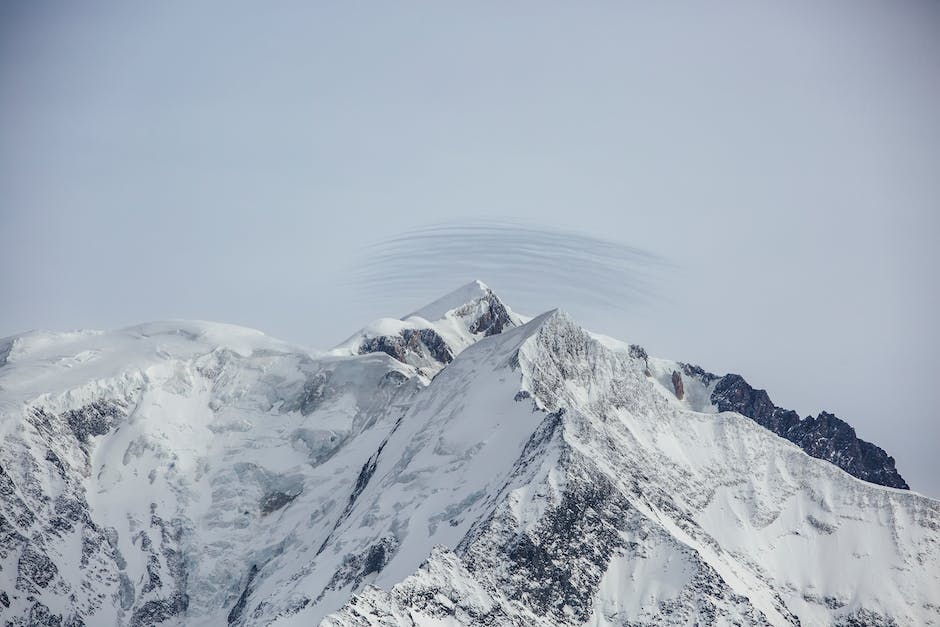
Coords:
pixel 463 465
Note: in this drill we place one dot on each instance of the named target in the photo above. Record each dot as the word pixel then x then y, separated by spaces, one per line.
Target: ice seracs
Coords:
pixel 464 465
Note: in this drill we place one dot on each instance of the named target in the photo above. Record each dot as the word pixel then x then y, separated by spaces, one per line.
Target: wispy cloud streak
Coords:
pixel 536 266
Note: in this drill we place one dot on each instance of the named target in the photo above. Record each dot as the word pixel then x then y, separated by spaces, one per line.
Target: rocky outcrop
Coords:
pixel 430 338
pixel 266 484
pixel 824 437
pixel 235 613
pixel 677 385
pixel 356 567
pixel 43 508
pixel 96 418
pixel 409 346
pixel 493 319
pixel 697 372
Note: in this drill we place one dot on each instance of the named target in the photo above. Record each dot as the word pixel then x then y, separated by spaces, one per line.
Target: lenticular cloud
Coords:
pixel 534 264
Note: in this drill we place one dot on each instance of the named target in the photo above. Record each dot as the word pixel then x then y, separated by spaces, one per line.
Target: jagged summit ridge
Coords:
pixel 534 473
pixel 623 507
pixel 824 437
pixel 471 292
pixel 429 338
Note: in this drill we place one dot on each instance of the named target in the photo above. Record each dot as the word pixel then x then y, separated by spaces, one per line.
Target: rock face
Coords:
pixel 423 344
pixel 824 437
pixel 463 466
pixel 489 315
pixel 677 385
pixel 576 532
pixel 36 518
pixel 429 338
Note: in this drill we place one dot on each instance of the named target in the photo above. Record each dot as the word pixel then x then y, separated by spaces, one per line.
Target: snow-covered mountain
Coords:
pixel 464 465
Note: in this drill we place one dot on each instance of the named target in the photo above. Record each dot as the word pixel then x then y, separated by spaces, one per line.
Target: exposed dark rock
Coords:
pixel 554 568
pixel 10 538
pixel 376 558
pixel 824 437
pixel 93 419
pixel 677 385
pixel 494 319
pixel 68 513
pixel 153 575
pixel 276 500
pixel 356 567
pixel 34 566
pixel 419 342
pixel 365 474
pixel 490 317
pixel 819 525
pixel 866 618
pixel 54 459
pixel 177 601
pixel 391 345
pixel 559 570
pixel 831 602
pixel 734 394
pixel 638 352
pixel 828 437
pixel 4 599
pixel 40 616
pixel 166 594
pixel 368 469
pixel 236 612
pixel 431 340
pixel 691 370
pixel 7 487
pixel 159 610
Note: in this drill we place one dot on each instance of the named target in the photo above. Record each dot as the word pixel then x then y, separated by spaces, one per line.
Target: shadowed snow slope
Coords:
pixel 463 466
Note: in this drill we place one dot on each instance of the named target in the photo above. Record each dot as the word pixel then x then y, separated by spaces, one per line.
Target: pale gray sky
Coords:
pixel 234 161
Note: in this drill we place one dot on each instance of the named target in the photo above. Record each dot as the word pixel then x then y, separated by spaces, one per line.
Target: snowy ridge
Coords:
pixel 428 339
pixel 635 521
pixel 169 456
pixel 202 474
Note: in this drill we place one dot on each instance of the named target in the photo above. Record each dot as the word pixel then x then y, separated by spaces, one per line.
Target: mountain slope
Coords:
pixel 429 338
pixel 617 513
pixel 154 479
pixel 465 465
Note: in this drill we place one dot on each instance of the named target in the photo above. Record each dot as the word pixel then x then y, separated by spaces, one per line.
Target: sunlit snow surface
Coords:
pixel 545 476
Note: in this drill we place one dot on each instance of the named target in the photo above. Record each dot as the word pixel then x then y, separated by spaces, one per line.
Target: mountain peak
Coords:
pixel 463 295
pixel 210 475
pixel 430 338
